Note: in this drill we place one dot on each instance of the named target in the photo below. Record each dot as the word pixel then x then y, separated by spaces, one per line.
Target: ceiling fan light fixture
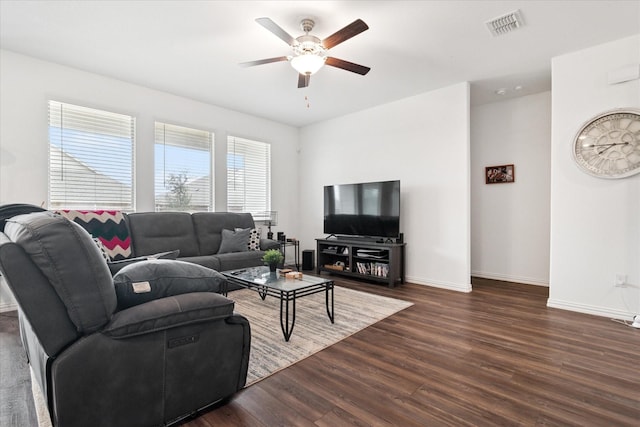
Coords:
pixel 307 63
pixel 309 52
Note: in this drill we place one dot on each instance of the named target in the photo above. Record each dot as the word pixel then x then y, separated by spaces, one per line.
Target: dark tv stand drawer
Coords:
pixel 362 259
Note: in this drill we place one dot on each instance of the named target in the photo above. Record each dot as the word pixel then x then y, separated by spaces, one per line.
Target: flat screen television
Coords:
pixel 370 209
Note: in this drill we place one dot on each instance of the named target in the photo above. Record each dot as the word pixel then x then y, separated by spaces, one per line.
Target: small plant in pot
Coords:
pixel 272 258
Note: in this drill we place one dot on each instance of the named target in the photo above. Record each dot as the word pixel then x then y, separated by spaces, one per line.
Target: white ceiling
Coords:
pixel 192 48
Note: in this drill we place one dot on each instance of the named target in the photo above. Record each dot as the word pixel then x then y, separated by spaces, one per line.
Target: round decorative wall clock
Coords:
pixel 608 145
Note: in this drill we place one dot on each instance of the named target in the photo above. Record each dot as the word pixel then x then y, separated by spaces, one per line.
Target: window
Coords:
pixel 248 176
pixel 183 159
pixel 90 158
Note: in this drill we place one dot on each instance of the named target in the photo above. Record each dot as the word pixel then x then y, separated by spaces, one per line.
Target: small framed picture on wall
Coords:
pixel 499 174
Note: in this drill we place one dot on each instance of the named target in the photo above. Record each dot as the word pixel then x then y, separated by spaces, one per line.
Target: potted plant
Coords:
pixel 272 257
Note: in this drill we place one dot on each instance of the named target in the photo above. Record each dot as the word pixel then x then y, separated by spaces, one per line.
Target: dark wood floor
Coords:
pixel 495 356
pixel 16 403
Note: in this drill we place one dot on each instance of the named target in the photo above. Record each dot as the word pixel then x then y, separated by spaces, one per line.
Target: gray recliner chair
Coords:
pixel 152 364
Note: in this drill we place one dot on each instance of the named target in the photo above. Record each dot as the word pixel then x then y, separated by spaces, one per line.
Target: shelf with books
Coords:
pixel 378 269
pixel 381 262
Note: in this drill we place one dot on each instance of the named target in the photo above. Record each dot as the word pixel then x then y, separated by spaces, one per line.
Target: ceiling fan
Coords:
pixel 309 52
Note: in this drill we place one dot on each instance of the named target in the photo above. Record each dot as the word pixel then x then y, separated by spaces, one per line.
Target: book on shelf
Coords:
pixel 377 269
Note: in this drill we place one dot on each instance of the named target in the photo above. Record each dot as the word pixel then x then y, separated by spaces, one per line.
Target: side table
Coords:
pixel 296 251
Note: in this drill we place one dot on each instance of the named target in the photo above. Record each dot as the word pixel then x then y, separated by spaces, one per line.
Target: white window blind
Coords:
pixel 248 176
pixel 183 166
pixel 90 158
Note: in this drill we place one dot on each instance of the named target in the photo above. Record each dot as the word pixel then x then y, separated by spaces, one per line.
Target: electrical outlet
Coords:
pixel 621 280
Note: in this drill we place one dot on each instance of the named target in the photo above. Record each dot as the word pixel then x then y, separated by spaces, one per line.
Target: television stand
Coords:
pixel 361 259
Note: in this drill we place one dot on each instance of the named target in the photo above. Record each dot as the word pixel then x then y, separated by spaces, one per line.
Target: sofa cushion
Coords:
pixel 153 279
pixel 108 226
pixel 234 241
pixel 115 266
pixel 15 209
pixel 235 260
pixel 70 260
pixel 209 225
pixel 153 232
pixel 209 261
pixel 169 312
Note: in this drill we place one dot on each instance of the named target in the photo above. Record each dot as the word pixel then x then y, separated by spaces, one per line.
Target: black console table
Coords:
pixel 366 259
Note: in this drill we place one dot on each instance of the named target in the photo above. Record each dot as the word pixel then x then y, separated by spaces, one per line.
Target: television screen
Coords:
pixel 366 209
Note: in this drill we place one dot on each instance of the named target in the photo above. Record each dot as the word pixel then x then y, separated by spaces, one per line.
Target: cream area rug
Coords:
pixel 313 331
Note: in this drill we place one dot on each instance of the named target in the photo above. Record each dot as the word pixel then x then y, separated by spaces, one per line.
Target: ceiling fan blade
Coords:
pixel 276 29
pixel 303 80
pixel 346 65
pixel 353 29
pixel 263 61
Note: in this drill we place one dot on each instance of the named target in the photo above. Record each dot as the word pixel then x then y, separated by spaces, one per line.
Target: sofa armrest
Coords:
pixel 266 244
pixel 167 313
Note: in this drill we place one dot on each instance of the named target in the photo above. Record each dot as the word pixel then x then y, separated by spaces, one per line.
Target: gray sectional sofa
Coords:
pixel 198 237
pixel 99 362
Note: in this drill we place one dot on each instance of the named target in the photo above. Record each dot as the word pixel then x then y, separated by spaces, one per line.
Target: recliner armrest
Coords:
pixel 167 313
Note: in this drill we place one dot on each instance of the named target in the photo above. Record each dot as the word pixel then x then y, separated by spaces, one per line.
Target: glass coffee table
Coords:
pixel 261 280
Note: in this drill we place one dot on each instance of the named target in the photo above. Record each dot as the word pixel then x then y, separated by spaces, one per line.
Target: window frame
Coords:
pixel 87 126
pixel 265 203
pixel 183 132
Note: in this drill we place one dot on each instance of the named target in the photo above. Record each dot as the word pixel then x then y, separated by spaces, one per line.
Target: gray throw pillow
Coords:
pixel 234 241
pixel 153 279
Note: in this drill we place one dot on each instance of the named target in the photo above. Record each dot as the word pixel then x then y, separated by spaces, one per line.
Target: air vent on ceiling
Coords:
pixel 505 23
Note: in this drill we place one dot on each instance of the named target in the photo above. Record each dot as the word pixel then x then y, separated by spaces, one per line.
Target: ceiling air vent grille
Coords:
pixel 505 23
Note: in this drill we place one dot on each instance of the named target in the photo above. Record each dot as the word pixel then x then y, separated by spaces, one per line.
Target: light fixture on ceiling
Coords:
pixel 503 90
pixel 308 53
pixel 307 63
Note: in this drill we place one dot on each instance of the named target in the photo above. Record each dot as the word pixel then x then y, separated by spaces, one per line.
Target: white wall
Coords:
pixel 424 142
pixel 595 223
pixel 510 222
pixel 26 84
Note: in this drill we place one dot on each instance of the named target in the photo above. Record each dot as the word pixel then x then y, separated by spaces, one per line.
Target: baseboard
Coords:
pixel 439 284
pixel 590 309
pixel 509 278
pixel 8 307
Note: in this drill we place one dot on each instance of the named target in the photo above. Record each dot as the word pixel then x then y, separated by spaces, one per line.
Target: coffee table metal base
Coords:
pixel 288 300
